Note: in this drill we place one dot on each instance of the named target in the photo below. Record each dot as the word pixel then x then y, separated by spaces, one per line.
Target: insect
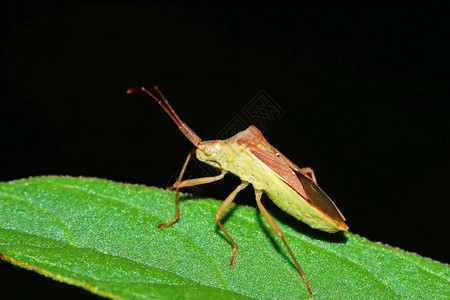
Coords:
pixel 249 156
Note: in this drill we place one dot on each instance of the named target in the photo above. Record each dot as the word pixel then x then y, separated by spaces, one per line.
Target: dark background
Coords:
pixel 364 89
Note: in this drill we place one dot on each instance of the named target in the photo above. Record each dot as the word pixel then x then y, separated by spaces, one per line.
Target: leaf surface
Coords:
pixel 102 236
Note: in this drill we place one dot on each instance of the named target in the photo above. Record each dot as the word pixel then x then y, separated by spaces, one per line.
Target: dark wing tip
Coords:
pixel 321 200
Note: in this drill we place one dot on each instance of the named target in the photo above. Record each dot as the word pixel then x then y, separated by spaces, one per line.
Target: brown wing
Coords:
pixel 319 199
pixel 298 181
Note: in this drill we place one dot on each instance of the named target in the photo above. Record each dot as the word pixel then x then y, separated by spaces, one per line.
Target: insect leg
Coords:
pixel 278 232
pixel 223 207
pixel 190 182
pixel 309 172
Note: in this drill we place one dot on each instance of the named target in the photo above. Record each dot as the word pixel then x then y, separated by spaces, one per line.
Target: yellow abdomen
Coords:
pixel 250 169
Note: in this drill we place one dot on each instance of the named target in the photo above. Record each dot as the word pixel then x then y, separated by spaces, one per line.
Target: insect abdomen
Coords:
pixel 252 170
pixel 247 167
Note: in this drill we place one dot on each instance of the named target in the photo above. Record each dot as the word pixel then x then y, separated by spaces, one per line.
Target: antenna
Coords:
pixel 164 103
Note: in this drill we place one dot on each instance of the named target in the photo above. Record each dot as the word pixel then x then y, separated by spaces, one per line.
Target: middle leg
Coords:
pixel 223 207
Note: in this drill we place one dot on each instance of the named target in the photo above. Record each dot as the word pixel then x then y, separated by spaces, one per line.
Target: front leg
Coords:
pixel 189 182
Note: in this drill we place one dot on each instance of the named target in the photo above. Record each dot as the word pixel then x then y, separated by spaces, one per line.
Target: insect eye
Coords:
pixel 208 150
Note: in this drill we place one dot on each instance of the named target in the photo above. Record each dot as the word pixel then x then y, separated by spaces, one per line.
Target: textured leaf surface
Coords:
pixel 101 235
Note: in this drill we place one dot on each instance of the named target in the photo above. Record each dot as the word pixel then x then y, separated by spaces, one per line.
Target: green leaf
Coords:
pixel 101 236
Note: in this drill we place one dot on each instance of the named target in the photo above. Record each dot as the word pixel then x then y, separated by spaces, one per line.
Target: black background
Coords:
pixel 364 89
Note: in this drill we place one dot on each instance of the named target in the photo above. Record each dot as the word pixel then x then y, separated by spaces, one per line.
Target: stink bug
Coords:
pixel 249 156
